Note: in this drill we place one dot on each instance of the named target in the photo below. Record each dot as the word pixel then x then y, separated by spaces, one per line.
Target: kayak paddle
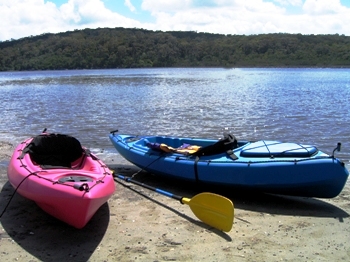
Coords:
pixel 212 209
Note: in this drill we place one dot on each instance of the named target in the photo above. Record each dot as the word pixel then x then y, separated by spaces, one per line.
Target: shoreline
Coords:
pixel 138 224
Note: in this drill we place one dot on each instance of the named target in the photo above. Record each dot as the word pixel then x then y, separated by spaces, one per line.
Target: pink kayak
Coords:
pixel 63 178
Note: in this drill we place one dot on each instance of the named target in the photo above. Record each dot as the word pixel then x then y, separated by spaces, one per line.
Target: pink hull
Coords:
pixel 72 195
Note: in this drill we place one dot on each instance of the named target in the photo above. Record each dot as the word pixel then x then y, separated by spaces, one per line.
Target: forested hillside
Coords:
pixel 128 48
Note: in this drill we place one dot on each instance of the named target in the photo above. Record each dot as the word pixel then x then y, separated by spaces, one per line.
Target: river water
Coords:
pixel 309 106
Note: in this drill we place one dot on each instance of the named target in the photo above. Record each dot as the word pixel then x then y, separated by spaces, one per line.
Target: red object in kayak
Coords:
pixel 70 192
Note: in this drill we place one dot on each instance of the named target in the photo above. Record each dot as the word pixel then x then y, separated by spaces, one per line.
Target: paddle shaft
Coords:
pixel 160 191
pixel 212 209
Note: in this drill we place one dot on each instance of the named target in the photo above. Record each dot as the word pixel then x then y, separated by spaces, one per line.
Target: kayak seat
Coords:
pixel 224 145
pixel 184 149
pixel 54 150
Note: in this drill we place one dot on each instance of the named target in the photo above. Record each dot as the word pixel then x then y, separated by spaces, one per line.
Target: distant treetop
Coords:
pixel 136 48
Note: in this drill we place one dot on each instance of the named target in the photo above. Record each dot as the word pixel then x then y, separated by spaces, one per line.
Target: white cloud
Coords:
pixel 20 18
pixel 323 7
pixel 290 2
pixel 34 17
pixel 87 11
pixel 251 17
pixel 129 5
pixel 163 6
pixel 228 17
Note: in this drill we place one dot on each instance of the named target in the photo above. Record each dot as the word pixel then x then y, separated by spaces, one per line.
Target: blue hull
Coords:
pixel 267 166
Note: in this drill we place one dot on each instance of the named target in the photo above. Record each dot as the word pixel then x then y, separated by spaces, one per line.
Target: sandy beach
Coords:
pixel 137 224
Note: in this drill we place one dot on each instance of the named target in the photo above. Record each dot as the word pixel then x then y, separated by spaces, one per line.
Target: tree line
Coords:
pixel 104 48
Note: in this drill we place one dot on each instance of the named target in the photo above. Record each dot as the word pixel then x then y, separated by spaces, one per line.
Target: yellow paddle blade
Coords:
pixel 212 209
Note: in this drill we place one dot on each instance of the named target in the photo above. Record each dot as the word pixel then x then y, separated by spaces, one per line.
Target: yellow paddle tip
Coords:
pixel 212 209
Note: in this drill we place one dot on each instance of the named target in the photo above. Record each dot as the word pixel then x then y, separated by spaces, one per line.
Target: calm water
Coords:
pixel 300 105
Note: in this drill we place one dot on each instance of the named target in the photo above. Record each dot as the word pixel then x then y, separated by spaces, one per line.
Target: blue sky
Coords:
pixel 128 11
pixel 21 18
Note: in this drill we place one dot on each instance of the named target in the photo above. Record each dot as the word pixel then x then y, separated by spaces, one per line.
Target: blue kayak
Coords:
pixel 266 166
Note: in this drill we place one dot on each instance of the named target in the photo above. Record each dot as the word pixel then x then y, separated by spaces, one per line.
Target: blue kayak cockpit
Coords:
pixel 274 149
pixel 244 149
pixel 258 149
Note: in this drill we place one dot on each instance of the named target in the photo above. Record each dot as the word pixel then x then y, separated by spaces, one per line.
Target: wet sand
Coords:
pixel 137 224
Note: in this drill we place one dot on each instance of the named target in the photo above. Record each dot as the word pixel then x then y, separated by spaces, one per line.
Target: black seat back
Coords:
pixel 229 142
pixel 54 150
